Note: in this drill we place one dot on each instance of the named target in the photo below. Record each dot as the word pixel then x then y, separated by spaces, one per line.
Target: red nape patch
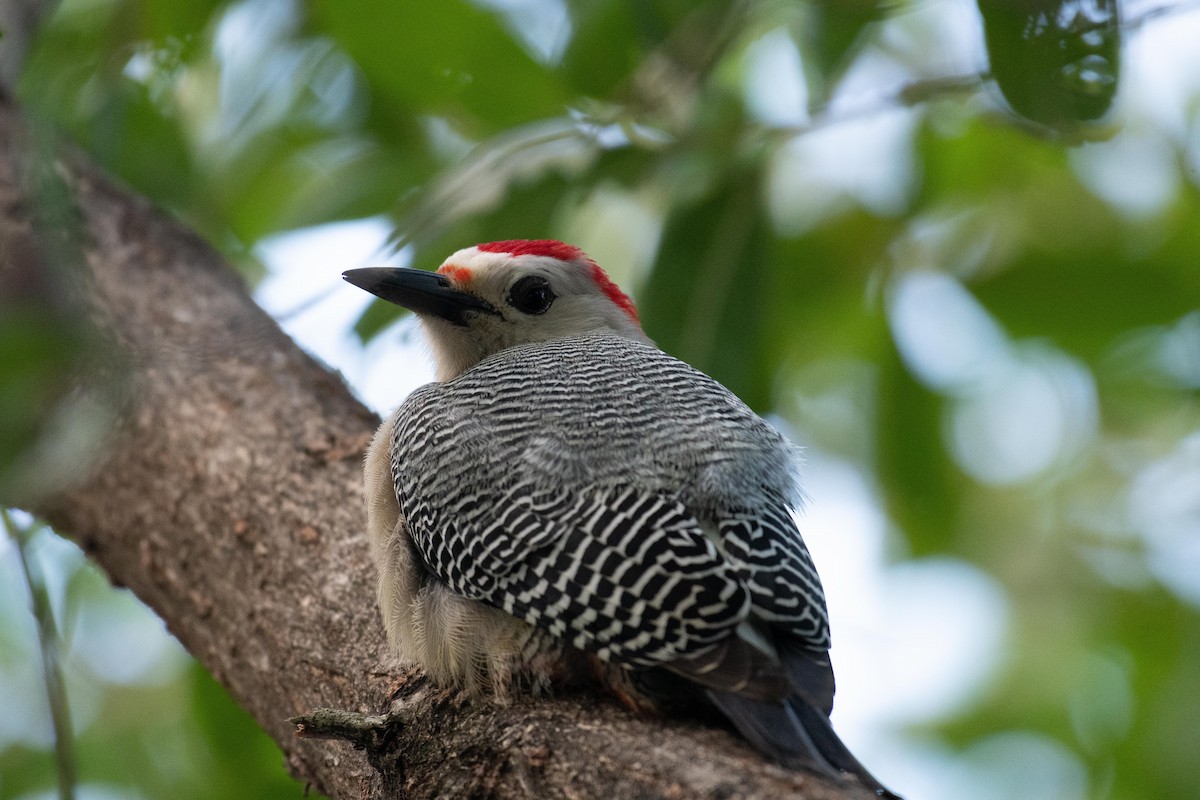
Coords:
pixel 565 252
pixel 613 292
pixel 533 247
pixel 460 275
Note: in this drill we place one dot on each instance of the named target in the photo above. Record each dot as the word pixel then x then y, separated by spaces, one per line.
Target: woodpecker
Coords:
pixel 569 503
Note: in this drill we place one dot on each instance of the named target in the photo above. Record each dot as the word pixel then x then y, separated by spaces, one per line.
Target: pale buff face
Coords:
pixel 578 305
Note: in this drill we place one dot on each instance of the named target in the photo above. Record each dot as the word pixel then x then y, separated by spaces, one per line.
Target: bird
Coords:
pixel 566 503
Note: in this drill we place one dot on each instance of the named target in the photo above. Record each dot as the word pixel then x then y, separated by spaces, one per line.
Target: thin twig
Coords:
pixel 56 693
pixel 361 730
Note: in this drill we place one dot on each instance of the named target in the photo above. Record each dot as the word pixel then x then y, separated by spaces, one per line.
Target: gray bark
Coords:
pixel 226 496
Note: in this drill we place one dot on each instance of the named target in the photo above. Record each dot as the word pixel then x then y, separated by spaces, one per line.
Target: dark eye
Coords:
pixel 531 295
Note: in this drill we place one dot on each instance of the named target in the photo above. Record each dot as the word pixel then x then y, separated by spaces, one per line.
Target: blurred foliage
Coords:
pixel 1057 61
pixel 43 333
pixel 998 330
pixel 149 721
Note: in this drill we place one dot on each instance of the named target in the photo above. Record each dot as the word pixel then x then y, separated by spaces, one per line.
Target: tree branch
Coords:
pixel 227 498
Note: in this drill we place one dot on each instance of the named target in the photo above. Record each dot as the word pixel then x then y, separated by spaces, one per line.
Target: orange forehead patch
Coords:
pixel 460 275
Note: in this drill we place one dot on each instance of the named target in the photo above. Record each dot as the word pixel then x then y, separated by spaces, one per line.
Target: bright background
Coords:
pixel 985 334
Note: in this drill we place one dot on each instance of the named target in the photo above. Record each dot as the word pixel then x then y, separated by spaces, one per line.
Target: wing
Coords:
pixel 768 551
pixel 620 570
pixel 615 570
pixel 782 648
pixel 586 508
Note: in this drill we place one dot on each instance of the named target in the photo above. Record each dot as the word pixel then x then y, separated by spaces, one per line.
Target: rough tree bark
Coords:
pixel 227 498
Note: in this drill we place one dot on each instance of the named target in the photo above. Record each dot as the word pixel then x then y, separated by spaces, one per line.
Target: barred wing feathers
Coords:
pixel 604 491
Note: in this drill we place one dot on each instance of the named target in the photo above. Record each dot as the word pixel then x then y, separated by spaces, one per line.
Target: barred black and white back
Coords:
pixel 637 509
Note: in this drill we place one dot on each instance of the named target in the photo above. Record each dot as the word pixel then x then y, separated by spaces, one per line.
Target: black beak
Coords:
pixel 419 291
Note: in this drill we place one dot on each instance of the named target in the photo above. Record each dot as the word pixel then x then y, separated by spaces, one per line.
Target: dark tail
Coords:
pixel 796 735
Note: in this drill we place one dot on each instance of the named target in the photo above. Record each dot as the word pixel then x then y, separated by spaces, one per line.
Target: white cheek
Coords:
pixel 571 320
pixel 454 348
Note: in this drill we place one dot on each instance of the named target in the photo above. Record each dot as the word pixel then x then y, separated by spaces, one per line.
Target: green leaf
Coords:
pixel 1079 280
pixel 132 137
pixel 837 31
pixel 163 19
pixel 36 361
pixel 614 38
pixel 922 488
pixel 294 186
pixel 250 763
pixel 1056 61
pixel 705 299
pixel 607 46
pixel 449 59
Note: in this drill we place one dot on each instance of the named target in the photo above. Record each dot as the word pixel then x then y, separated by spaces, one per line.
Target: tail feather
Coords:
pixel 774 729
pixel 833 749
pixel 796 735
pixel 810 671
pixel 737 665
